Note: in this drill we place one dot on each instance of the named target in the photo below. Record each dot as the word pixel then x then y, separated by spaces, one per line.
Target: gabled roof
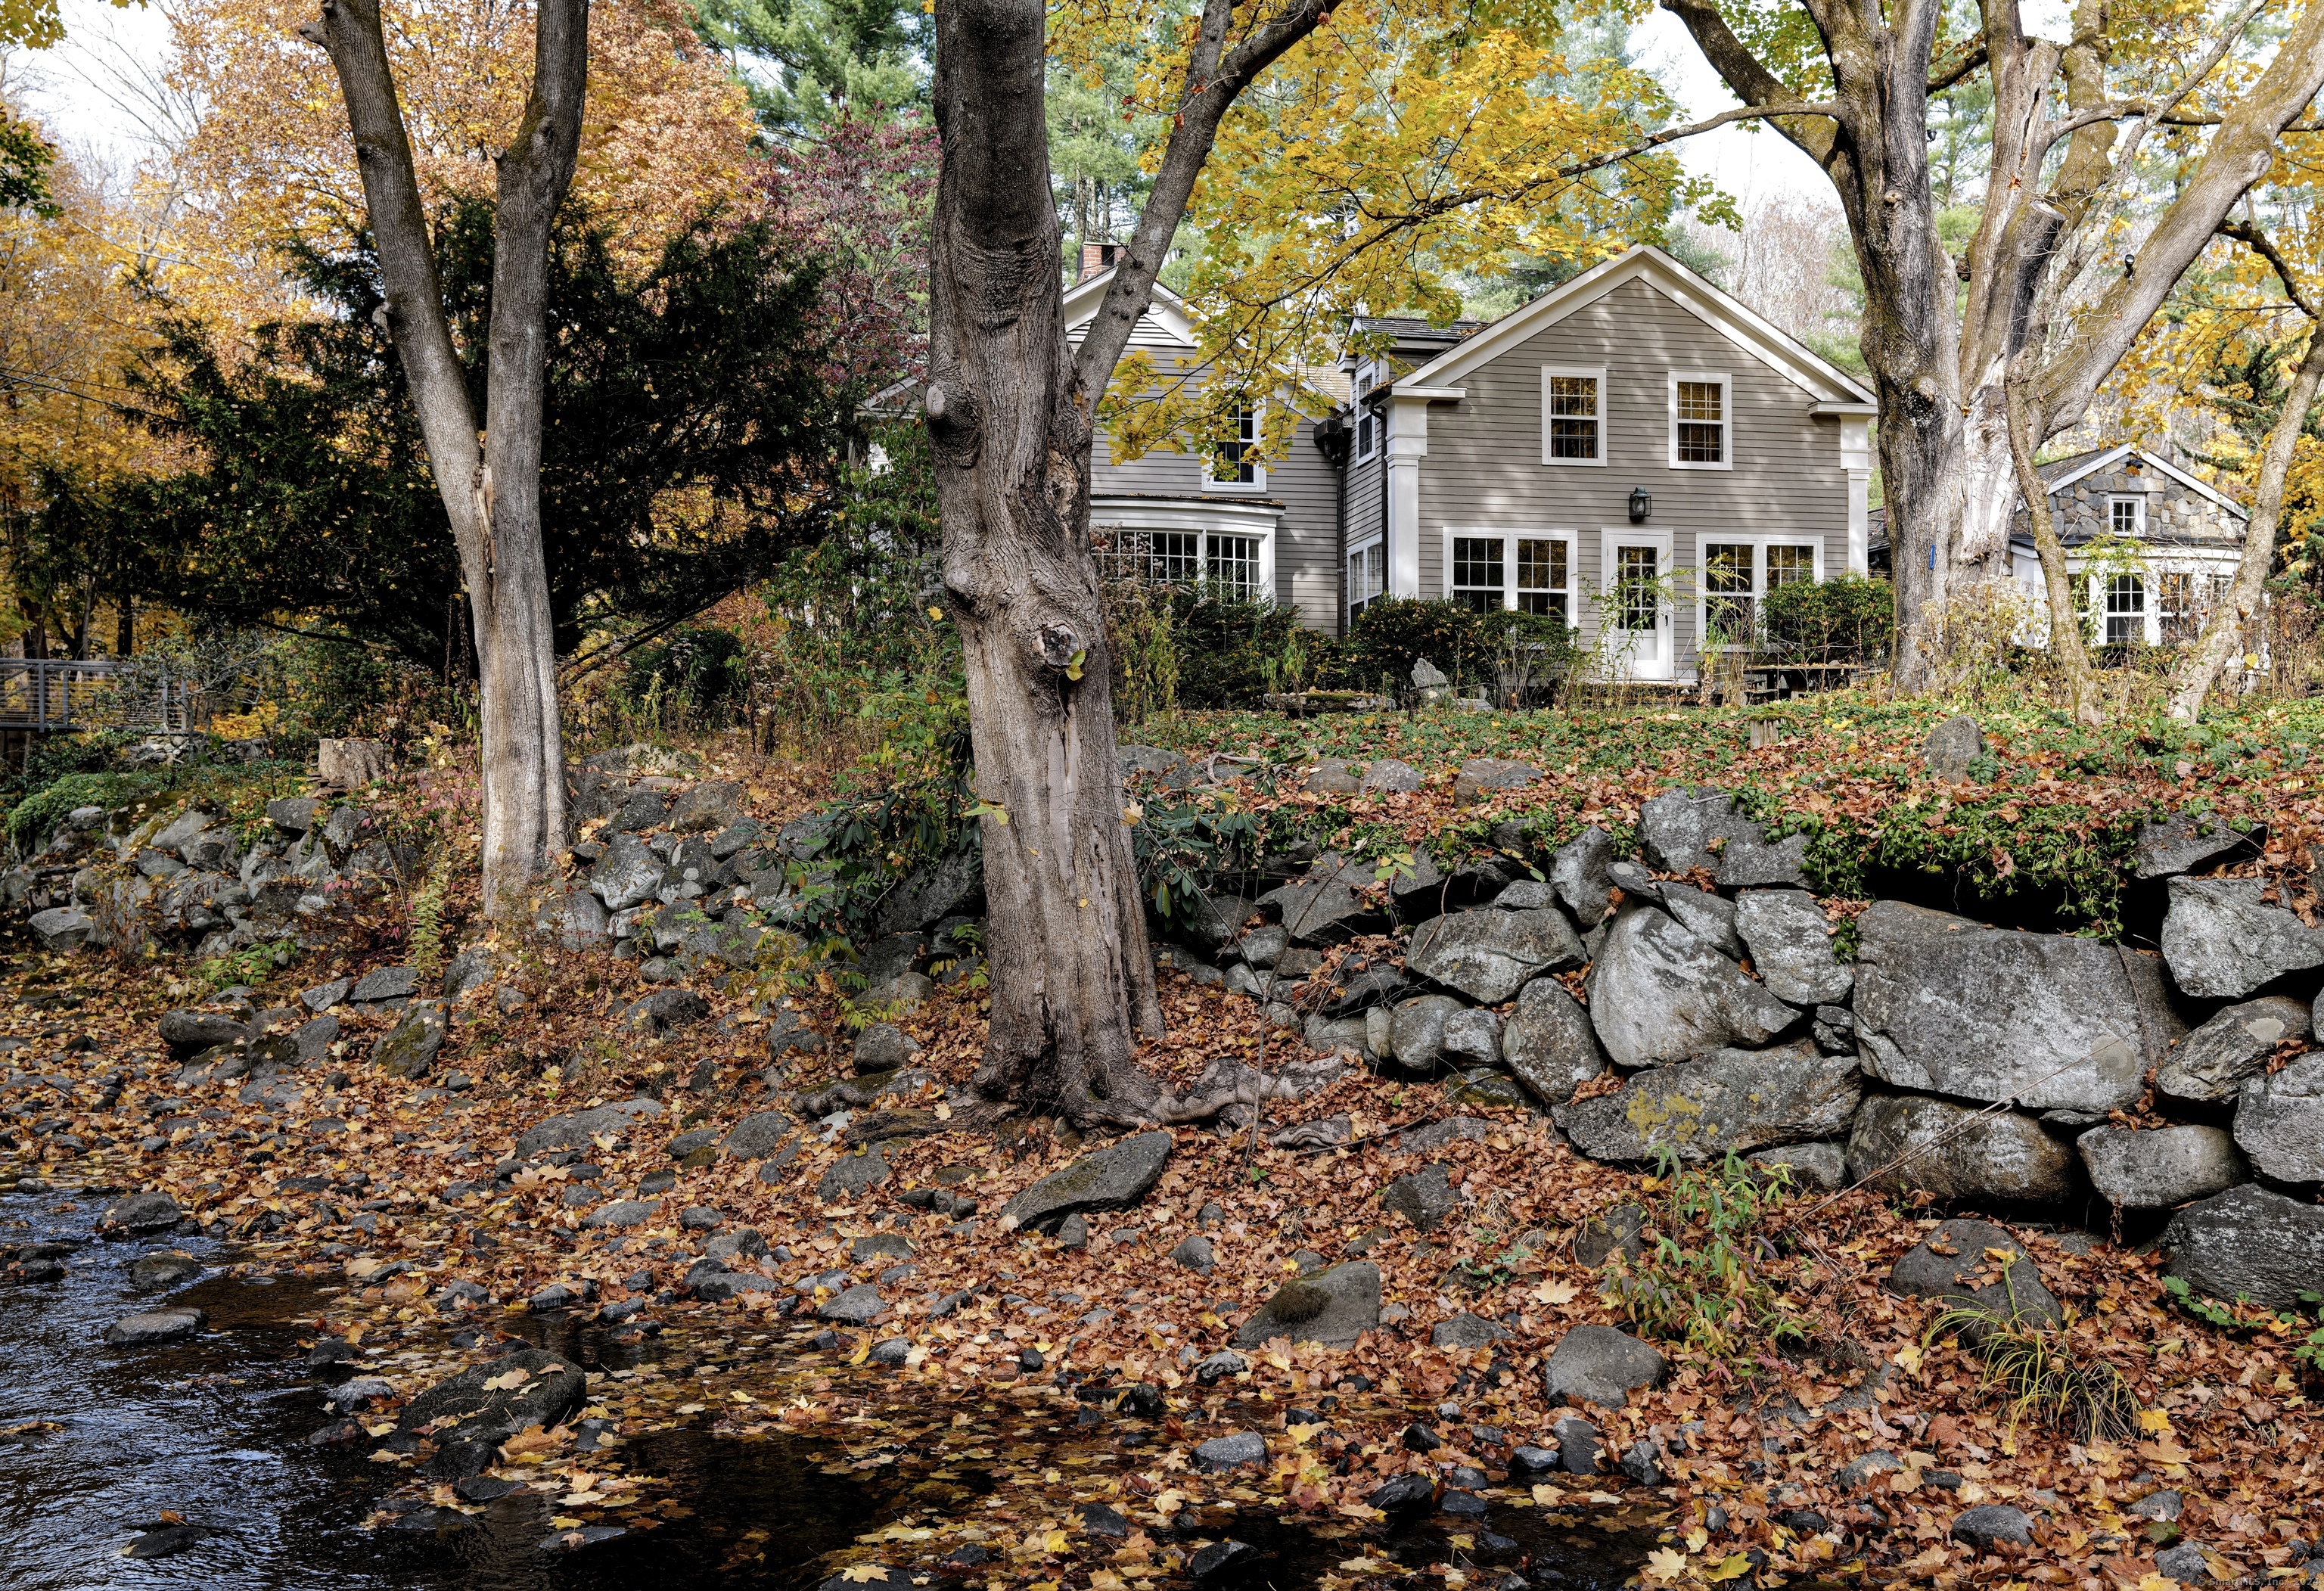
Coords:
pixel 1818 377
pixel 1168 311
pixel 2063 473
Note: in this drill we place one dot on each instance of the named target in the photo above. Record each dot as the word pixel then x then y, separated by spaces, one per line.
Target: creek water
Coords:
pixel 213 1428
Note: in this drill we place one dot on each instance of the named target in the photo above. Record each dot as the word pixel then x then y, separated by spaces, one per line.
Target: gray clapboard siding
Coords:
pixel 1484 465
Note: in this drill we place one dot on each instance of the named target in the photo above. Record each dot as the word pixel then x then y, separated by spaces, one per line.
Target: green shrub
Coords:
pixel 1232 652
pixel 1849 619
pixel 700 665
pixel 1394 632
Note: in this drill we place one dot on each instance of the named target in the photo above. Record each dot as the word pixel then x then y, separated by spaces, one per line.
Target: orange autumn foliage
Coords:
pixel 666 134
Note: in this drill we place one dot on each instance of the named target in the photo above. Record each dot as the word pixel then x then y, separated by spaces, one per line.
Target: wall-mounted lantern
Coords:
pixel 1641 506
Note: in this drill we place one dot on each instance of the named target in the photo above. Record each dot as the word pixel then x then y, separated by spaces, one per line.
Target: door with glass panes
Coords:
pixel 1637 613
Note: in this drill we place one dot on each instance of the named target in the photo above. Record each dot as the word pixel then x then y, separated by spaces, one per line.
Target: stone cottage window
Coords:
pixel 2125 610
pixel 2126 516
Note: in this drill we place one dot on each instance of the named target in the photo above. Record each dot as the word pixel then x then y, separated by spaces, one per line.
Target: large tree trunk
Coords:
pixel 490 484
pixel 1073 974
pixel 2223 631
pixel 1012 413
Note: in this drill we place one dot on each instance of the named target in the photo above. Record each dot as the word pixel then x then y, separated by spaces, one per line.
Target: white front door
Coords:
pixel 1635 570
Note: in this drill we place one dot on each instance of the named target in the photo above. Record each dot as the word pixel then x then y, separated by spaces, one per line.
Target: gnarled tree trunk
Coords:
pixel 1011 413
pixel 490 482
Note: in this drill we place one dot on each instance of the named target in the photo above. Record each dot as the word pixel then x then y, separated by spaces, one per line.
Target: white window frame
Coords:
pixel 2147 614
pixel 1596 372
pixel 1758 593
pixel 1509 539
pixel 1153 520
pixel 1254 487
pixel 2138 514
pixel 1369 426
pixel 1726 413
pixel 1370 544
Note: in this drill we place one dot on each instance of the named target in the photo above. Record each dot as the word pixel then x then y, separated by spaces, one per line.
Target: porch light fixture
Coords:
pixel 1641 506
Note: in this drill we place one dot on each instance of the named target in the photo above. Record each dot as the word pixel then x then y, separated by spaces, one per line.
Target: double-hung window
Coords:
pixel 2126 516
pixel 1237 461
pixel 1738 575
pixel 1701 420
pixel 2125 610
pixel 1573 415
pixel 1524 571
pixel 1367 578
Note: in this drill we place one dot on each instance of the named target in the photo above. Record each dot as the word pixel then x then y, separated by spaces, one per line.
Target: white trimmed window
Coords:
pixel 1573 414
pixel 1367 578
pixel 2126 516
pixel 1237 467
pixel 1737 573
pixel 1523 571
pixel 2125 610
pixel 1368 432
pixel 1701 420
pixel 1232 565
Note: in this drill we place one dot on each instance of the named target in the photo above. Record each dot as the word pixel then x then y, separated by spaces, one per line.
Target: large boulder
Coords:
pixel 2181 844
pixel 1415 1029
pixel 2154 1170
pixel 575 920
pixel 63 928
pixel 470 1415
pixel 2212 1062
pixel 756 1137
pixel 1490 955
pixel 1901 1143
pixel 136 1213
pixel 1599 1365
pixel 2223 942
pixel 1975 1264
pixel 2048 1020
pixel 1791 947
pixel 933 891
pixel 2280 1120
pixel 2249 1242
pixel 627 874
pixel 1479 777
pixel 409 1048
pixel 1659 992
pixel 1577 874
pixel 1548 1042
pixel 188 1032
pixel 575 1129
pixel 709 806
pixel 1707 914
pixel 1424 1198
pixel 1322 907
pixel 1332 1307
pixel 1729 1101
pixel 1114 1177
pixel 1678 828
pixel 666 1008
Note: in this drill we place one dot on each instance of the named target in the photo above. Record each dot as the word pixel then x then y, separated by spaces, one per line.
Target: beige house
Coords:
pixel 1635 451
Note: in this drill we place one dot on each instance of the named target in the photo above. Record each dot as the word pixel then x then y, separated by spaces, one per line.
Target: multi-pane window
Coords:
pixel 1238 461
pixel 1176 557
pixel 1367 576
pixel 1699 416
pixel 1790 565
pixel 1477 568
pixel 1738 575
pixel 1367 436
pixel 1234 565
pixel 1543 586
pixel 1639 603
pixel 2126 516
pixel 1729 586
pixel 1573 416
pixel 2174 598
pixel 2125 609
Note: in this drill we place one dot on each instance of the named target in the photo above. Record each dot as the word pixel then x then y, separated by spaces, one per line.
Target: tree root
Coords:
pixel 1228 1083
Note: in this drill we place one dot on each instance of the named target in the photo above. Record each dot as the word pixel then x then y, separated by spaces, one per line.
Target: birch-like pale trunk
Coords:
pixel 489 479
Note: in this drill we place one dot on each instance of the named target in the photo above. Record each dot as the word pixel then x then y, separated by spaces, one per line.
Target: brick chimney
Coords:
pixel 1097 258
